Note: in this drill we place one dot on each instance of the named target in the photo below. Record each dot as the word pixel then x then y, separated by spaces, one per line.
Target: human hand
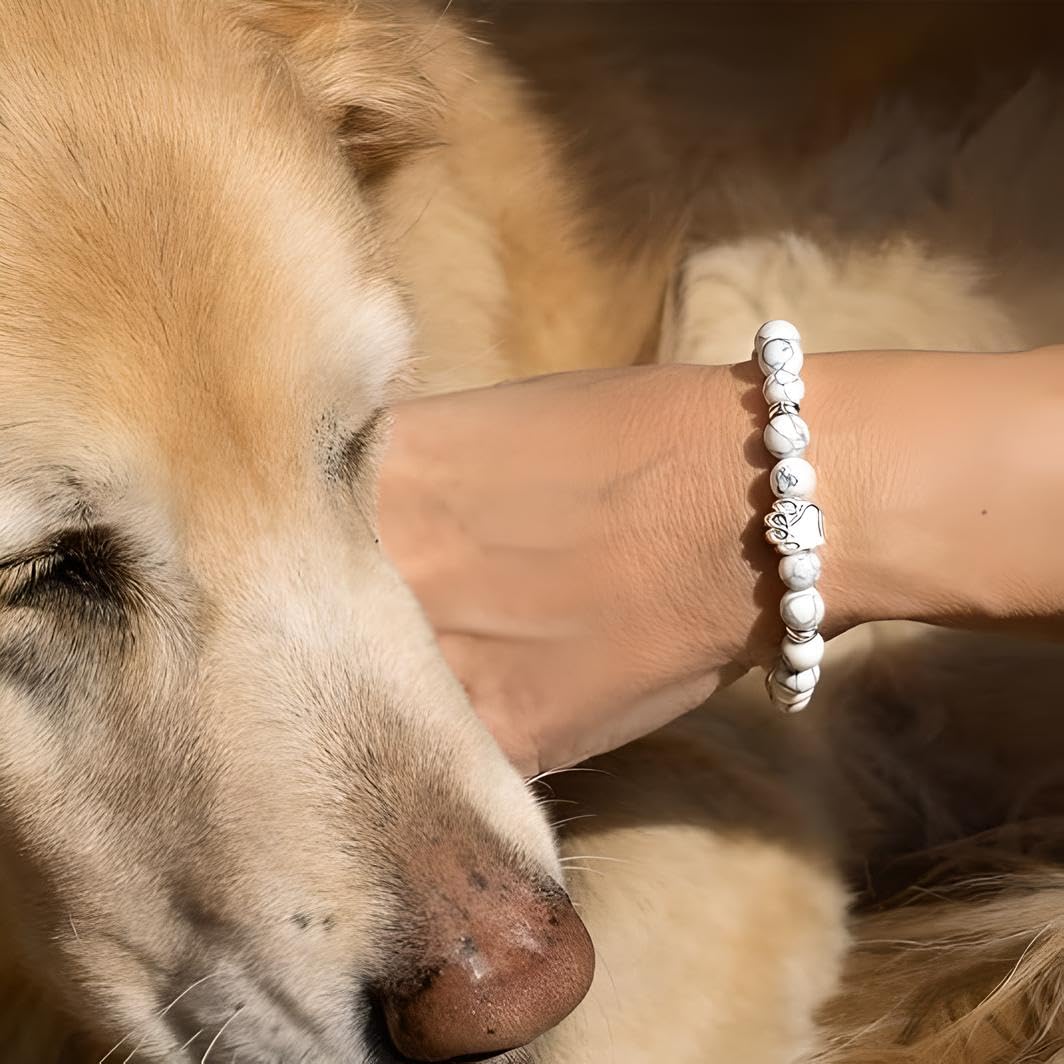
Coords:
pixel 581 544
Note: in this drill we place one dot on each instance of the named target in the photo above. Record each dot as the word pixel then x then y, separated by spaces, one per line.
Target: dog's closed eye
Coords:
pixel 81 562
pixel 355 455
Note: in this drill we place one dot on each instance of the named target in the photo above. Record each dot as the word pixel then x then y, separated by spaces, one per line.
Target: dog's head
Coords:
pixel 243 804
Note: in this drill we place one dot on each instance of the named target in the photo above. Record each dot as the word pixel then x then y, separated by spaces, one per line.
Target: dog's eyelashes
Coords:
pixel 21 574
pixel 356 451
pixel 81 562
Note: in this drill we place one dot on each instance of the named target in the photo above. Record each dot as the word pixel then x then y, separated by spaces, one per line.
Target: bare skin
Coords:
pixel 588 546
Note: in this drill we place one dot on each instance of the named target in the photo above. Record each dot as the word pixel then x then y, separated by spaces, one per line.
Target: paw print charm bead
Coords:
pixel 794 525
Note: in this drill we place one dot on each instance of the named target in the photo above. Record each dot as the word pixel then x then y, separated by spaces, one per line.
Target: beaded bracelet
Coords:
pixel 795 524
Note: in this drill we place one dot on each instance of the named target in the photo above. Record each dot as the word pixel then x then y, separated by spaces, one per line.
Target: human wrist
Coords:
pixel 702 495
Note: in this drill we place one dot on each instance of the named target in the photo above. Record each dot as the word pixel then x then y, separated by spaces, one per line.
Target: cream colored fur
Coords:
pixel 384 185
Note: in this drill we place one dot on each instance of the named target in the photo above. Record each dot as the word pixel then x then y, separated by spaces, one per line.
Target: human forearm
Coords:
pixel 942 477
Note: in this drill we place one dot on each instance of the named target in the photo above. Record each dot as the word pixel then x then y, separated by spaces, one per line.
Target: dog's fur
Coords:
pixel 229 229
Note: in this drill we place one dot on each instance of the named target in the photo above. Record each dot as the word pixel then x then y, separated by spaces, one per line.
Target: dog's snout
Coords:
pixel 508 960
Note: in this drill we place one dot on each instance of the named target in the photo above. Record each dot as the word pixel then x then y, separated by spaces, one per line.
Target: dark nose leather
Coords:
pixel 507 961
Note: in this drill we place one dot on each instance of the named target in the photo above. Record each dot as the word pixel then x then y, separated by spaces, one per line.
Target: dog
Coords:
pixel 162 693
pixel 246 811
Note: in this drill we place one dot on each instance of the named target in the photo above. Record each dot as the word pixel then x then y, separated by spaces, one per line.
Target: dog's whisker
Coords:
pixel 133 1051
pixel 162 1012
pixel 221 1031
pixel 420 214
pixel 594 857
pixel 181 1048
pixel 560 771
pixel 114 1048
pixel 119 1043
pixel 602 1006
pixel 581 868
pixel 188 990
pixel 570 819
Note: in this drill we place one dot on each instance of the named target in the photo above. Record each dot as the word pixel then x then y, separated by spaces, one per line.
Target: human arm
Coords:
pixel 589 549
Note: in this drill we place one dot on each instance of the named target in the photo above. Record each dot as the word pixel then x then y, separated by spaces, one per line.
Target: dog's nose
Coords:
pixel 508 962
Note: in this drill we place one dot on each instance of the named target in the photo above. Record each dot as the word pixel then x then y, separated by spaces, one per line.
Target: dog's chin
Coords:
pixel 515 1056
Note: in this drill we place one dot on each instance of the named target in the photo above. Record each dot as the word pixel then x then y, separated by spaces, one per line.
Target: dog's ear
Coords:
pixel 363 65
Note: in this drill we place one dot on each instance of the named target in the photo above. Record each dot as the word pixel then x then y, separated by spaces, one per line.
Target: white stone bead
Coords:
pixel 794 525
pixel 776 355
pixel 800 683
pixel 801 656
pixel 785 698
pixel 777 329
pixel 786 436
pixel 800 703
pixel 802 610
pixel 783 386
pixel 799 571
pixel 792 478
